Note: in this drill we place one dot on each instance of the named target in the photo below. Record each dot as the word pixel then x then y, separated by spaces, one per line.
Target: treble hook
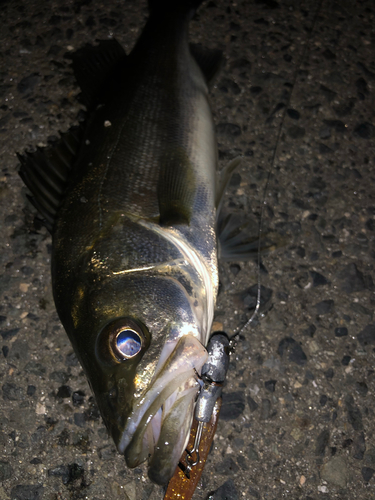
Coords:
pixel 206 415
pixel 181 487
pixel 189 453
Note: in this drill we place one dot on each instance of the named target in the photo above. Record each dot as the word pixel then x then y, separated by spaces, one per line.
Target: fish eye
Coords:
pixel 122 340
pixel 128 343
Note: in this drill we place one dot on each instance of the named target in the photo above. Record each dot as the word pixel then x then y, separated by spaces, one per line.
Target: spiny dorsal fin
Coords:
pixel 94 65
pixel 45 172
pixel 176 188
pixel 210 61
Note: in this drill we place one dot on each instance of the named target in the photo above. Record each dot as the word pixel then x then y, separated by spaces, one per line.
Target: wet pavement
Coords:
pixel 298 413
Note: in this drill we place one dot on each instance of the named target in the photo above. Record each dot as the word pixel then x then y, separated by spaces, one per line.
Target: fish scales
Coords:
pixel 266 63
pixel 134 254
pixel 152 120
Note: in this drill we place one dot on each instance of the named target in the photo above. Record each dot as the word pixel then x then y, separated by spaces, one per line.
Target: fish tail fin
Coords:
pixel 187 6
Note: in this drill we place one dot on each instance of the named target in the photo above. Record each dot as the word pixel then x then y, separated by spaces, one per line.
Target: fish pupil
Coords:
pixel 128 343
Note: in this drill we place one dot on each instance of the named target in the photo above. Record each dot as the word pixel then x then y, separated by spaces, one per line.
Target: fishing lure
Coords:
pixel 182 486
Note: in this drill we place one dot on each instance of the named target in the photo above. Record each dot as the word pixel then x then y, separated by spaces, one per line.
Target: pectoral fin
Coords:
pixel 239 240
pixel 235 241
pixel 176 188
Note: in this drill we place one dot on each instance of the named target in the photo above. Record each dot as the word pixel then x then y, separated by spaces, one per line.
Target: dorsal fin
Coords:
pixel 45 172
pixel 94 65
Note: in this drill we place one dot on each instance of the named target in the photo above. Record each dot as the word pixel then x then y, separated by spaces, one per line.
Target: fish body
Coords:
pixel 134 259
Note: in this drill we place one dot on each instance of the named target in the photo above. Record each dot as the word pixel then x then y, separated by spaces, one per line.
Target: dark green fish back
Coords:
pixel 133 229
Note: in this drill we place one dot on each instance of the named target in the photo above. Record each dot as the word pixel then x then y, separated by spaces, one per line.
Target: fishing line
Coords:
pixel 215 369
pixel 275 151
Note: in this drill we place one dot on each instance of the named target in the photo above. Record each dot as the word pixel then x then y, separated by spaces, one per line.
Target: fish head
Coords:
pixel 143 366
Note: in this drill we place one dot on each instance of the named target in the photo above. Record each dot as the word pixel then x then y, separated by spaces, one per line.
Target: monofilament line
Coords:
pixel 274 155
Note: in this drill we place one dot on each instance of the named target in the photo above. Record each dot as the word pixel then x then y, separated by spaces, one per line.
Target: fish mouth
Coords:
pixel 159 426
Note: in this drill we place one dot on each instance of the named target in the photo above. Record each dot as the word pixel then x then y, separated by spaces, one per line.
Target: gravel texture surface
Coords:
pixel 298 412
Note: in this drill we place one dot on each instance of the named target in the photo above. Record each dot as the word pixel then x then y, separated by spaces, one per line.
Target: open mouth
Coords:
pixel 158 428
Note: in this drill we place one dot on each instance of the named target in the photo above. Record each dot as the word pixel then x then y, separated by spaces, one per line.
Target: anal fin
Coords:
pixel 210 61
pixel 94 66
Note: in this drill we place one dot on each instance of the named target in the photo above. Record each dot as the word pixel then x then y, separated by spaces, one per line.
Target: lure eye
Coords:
pixel 122 340
pixel 128 343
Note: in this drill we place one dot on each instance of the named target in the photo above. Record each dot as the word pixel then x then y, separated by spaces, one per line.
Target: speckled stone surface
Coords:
pixel 298 410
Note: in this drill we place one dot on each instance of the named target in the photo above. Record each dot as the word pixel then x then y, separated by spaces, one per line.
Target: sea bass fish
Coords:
pixel 131 202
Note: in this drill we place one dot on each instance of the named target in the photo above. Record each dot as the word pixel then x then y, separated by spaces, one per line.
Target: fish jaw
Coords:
pixel 173 439
pixel 159 425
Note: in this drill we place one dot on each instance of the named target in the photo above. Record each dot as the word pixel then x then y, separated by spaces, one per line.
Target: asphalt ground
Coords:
pixel 298 412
